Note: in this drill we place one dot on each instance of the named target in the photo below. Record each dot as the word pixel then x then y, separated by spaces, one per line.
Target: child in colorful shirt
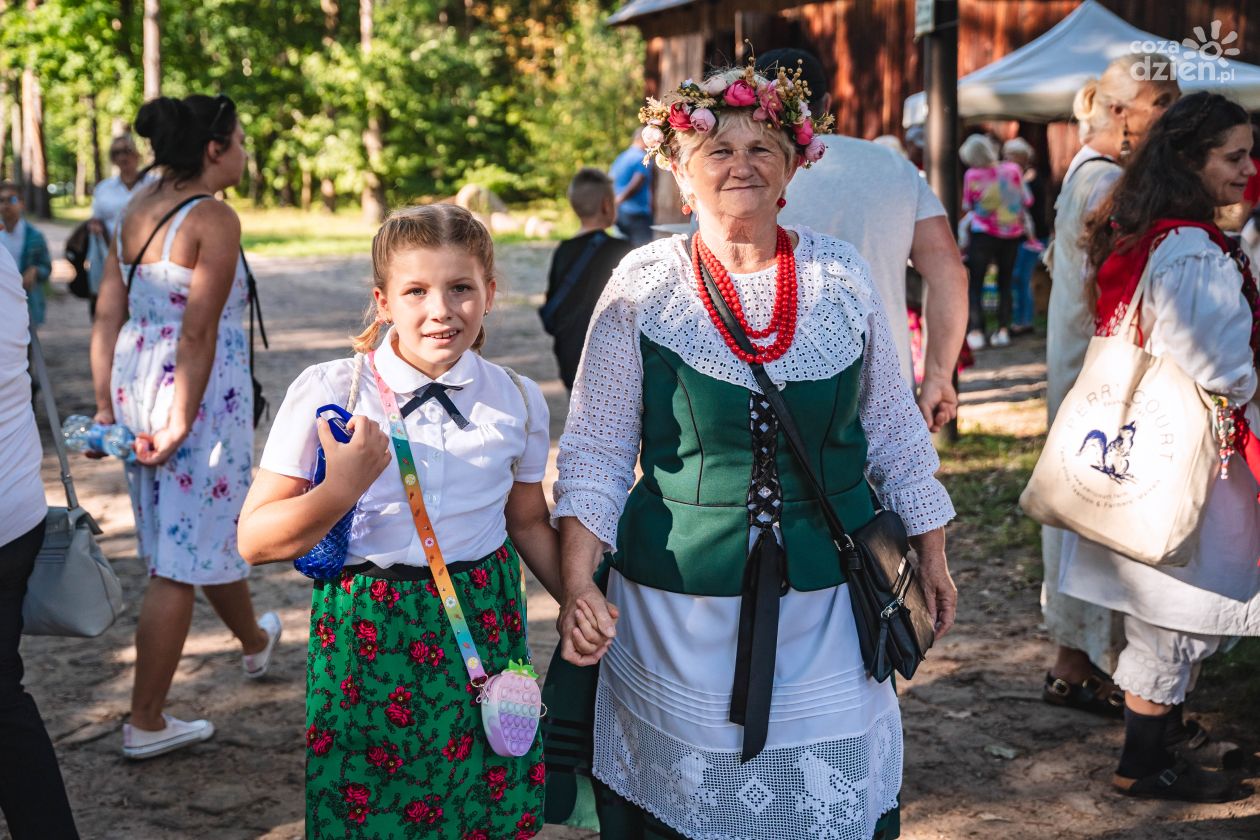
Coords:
pixel 394 731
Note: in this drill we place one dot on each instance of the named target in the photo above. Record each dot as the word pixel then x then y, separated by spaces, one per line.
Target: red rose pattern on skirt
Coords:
pixel 394 744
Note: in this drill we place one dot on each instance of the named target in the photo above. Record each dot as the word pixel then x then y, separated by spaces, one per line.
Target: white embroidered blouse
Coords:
pixel 839 319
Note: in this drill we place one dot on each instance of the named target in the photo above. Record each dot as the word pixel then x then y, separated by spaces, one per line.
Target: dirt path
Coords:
pixel 977 695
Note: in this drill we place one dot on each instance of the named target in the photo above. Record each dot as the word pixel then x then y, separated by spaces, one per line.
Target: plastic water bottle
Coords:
pixel 83 434
pixel 118 440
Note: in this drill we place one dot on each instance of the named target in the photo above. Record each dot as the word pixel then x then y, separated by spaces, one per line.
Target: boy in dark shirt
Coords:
pixel 580 269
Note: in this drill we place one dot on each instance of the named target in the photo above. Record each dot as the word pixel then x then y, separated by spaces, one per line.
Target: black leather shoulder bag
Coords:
pixel 894 630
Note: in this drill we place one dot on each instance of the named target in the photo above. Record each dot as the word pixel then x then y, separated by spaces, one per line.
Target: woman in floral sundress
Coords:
pixel 170 361
pixel 395 746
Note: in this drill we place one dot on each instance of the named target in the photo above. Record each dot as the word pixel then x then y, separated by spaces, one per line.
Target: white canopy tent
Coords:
pixel 1038 81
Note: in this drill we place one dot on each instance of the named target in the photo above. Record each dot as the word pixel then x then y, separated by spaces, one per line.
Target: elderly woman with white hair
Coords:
pixel 994 197
pixel 1115 111
pixel 710 720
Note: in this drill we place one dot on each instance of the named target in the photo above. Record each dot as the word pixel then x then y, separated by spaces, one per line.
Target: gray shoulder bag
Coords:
pixel 73 590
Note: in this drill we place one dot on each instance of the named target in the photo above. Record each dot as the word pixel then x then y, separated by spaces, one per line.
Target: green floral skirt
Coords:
pixel 395 747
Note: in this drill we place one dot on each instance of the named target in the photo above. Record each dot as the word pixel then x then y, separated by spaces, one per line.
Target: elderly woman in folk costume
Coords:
pixel 1114 111
pixel 708 723
pixel 1201 309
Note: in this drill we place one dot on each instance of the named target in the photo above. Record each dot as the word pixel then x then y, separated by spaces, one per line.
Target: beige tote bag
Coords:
pixel 1132 454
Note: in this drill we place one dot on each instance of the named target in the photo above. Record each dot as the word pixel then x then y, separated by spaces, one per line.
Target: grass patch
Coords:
pixel 1231 682
pixel 985 473
pixel 293 233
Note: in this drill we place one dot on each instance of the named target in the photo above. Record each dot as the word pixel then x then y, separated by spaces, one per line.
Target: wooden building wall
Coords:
pixel 867 48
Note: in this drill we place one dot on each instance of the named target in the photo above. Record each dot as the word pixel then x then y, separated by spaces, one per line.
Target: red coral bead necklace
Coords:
pixel 783 317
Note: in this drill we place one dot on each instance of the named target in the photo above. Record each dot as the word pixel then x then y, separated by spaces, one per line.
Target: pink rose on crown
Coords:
pixel 804 133
pixel 679 119
pixel 740 94
pixel 770 105
pixel 702 120
pixel 652 136
pixel 814 151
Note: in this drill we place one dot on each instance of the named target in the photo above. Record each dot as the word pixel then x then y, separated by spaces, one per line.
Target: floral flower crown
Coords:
pixel 782 101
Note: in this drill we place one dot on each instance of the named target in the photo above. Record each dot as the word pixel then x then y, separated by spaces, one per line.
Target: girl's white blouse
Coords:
pixel 466 474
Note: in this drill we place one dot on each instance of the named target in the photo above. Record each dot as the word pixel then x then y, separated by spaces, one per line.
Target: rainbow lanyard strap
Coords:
pixel 424 527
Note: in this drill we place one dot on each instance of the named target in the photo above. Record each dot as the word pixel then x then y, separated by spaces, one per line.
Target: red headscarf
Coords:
pixel 1118 278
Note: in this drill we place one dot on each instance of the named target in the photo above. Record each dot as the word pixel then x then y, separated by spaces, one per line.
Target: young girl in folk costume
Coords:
pixel 396 746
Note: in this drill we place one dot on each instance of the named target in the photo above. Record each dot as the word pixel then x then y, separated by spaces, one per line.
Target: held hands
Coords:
pixel 587 625
pixel 353 466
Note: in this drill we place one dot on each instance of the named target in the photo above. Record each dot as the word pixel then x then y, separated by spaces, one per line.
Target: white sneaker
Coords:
pixel 256 665
pixel 1001 338
pixel 141 743
pixel 975 340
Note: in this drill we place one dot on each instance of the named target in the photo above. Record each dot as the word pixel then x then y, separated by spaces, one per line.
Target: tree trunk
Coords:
pixel 95 128
pixel 254 165
pixel 332 12
pixel 328 194
pixel 304 199
pixel 126 10
pixel 373 197
pixel 152 60
pixel 15 131
pixel 34 157
pixel 285 171
pixel 81 161
pixel 4 128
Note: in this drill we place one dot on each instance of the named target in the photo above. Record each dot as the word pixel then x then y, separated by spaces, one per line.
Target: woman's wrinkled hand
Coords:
pixel 587 625
pixel 352 467
pixel 939 589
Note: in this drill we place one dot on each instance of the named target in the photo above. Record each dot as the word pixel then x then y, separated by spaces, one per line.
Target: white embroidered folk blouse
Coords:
pixel 653 292
pixel 1195 314
pixel 832 762
pixel 466 473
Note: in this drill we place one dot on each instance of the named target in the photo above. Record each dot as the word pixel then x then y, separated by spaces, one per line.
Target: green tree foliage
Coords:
pixel 514 95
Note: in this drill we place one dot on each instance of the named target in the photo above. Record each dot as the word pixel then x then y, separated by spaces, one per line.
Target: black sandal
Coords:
pixel 1096 695
pixel 1183 783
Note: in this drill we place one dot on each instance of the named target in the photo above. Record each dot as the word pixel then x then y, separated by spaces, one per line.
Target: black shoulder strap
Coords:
pixel 131 274
pixel 255 306
pixel 1088 161
pixel 571 278
pixel 779 405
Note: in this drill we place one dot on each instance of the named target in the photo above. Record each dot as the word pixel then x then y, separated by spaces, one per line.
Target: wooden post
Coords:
pixel 940 67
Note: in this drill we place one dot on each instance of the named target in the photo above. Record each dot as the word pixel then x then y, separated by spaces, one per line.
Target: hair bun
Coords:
pixel 1083 102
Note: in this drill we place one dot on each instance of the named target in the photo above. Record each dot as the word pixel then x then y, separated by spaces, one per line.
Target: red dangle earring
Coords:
pixel 686 209
pixel 782 202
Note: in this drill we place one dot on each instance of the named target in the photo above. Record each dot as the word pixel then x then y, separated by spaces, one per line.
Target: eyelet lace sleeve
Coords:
pixel 600 444
pixel 901 461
